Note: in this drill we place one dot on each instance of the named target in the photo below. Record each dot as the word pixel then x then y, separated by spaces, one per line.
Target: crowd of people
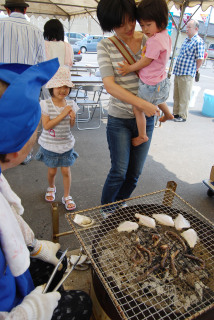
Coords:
pixel 34 66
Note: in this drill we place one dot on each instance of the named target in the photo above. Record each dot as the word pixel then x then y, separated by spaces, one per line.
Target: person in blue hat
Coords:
pixel 25 260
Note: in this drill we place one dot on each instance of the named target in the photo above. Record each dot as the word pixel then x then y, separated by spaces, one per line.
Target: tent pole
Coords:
pixel 205 35
pixel 176 40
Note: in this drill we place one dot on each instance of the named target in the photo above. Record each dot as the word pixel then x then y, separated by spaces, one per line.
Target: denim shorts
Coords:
pixel 54 160
pixel 156 94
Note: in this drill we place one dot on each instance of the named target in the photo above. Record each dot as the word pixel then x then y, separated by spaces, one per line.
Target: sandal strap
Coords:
pixel 50 194
pixel 49 189
pixel 67 198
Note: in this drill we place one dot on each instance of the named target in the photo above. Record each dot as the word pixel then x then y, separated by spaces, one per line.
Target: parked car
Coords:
pixel 210 51
pixel 77 54
pixel 74 36
pixel 89 43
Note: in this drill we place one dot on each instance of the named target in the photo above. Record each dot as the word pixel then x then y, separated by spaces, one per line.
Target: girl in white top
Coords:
pixel 55 46
pixel 56 141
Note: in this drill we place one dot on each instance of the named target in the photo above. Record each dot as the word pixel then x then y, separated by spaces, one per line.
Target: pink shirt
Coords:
pixel 158 48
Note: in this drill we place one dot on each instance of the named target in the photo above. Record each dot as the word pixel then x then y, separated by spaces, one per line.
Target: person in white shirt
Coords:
pixel 20 41
pixel 55 46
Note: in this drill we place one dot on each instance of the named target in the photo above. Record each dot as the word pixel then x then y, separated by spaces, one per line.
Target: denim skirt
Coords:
pixel 54 160
pixel 156 94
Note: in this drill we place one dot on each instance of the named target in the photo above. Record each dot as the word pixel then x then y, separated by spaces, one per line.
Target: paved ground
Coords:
pixel 183 152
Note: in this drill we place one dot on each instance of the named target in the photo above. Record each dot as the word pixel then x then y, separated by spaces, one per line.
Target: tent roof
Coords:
pixel 205 4
pixel 70 8
pixel 58 8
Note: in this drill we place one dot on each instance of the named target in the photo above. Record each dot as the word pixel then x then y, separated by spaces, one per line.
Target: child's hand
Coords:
pixel 124 68
pixel 72 115
pixel 67 110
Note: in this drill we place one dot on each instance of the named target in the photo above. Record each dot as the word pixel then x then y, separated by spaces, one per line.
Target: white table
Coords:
pixel 78 80
pixel 84 68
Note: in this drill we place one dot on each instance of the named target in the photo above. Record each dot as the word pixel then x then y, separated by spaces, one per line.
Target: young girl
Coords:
pixel 56 141
pixel 154 84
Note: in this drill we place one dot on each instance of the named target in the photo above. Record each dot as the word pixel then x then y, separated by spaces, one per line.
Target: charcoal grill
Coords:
pixel 103 244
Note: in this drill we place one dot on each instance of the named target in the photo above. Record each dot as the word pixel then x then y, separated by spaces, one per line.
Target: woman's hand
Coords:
pixel 149 109
pixel 123 68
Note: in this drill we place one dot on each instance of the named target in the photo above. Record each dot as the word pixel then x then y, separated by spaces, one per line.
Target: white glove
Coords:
pixel 38 305
pixel 45 251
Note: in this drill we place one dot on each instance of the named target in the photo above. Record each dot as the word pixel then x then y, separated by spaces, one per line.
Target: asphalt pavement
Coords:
pixel 182 152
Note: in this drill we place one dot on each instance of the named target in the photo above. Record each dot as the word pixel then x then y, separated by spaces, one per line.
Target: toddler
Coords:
pixel 154 85
pixel 56 141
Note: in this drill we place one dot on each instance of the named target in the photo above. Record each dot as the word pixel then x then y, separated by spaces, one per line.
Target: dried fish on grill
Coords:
pixel 145 220
pixel 190 236
pixel 181 222
pixel 163 266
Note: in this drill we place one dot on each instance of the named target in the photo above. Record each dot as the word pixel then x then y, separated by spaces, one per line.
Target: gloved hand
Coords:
pixel 45 251
pixel 38 305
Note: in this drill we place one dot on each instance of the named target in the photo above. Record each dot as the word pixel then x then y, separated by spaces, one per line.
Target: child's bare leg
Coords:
pixel 51 180
pixel 66 174
pixel 141 125
pixel 167 114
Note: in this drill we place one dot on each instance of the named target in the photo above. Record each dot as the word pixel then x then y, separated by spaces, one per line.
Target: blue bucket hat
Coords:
pixel 20 111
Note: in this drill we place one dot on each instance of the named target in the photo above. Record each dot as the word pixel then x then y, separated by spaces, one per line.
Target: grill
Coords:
pixel 139 288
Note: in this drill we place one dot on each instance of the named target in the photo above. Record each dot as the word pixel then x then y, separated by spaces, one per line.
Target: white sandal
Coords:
pixel 50 193
pixel 68 200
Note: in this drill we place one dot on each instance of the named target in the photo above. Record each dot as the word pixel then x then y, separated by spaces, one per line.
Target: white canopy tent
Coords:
pixel 64 9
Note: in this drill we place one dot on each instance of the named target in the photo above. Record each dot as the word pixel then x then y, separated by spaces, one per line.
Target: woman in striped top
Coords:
pixel 126 160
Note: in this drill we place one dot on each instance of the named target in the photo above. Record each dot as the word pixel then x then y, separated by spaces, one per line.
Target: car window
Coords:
pixel 211 46
pixel 96 39
pixel 79 36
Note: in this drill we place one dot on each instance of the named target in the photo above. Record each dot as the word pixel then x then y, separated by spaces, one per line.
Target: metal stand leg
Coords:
pixel 55 221
pixel 168 195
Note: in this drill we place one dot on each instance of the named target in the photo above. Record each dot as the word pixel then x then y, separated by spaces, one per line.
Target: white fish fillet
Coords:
pixel 82 220
pixel 190 236
pixel 145 220
pixel 164 219
pixel 181 222
pixel 127 226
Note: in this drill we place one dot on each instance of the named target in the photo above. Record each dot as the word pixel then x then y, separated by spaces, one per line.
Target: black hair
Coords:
pixel 112 13
pixel 53 30
pixel 51 91
pixel 3 158
pixel 18 9
pixel 153 10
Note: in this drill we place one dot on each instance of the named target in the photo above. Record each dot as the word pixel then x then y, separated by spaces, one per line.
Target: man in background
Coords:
pixel 20 41
pixel 188 63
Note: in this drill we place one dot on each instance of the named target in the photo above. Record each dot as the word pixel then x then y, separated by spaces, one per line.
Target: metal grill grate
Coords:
pixel 160 294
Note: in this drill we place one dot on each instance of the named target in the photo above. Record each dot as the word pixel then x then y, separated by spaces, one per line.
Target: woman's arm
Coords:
pixel 126 96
